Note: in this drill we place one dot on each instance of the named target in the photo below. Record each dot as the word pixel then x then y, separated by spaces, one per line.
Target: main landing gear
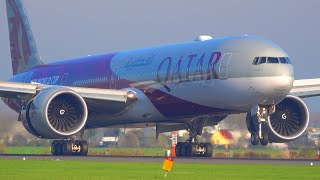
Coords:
pixel 257 124
pixel 69 148
pixel 192 147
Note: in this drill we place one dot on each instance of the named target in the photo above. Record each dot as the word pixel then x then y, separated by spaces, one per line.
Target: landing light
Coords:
pixel 131 95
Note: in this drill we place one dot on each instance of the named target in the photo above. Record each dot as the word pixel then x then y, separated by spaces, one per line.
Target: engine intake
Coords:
pixel 289 121
pixel 56 113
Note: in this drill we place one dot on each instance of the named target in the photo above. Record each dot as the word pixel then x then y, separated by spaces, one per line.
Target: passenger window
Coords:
pixel 263 60
pixel 255 61
pixel 273 60
pixel 283 60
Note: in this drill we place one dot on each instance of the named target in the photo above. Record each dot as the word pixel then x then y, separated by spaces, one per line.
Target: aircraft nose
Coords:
pixel 278 85
pixel 282 79
pixel 282 83
pixel 277 89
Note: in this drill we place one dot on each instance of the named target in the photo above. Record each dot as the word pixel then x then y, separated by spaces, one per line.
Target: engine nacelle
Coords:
pixel 288 122
pixel 55 113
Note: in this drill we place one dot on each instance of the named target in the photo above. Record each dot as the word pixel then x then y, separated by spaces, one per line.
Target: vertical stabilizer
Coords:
pixel 24 53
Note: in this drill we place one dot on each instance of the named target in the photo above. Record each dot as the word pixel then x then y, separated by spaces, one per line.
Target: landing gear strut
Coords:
pixel 256 123
pixel 192 147
pixel 69 147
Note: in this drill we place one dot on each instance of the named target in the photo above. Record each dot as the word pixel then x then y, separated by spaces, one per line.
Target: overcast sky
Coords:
pixel 72 28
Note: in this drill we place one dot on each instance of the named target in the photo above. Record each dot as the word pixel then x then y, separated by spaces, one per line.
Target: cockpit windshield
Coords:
pixel 271 60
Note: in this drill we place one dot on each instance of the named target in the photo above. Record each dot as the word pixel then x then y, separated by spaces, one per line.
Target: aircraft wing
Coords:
pixel 107 100
pixel 306 88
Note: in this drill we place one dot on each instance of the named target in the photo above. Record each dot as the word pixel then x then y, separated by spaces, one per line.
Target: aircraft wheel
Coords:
pixel 67 148
pixel 265 139
pixel 184 149
pixel 254 138
pixel 249 123
pixel 179 148
pixel 57 148
pixel 191 149
pixel 201 146
pixel 83 148
pixel 54 148
pixel 208 152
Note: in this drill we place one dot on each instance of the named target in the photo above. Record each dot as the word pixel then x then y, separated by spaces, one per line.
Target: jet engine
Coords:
pixel 288 122
pixel 55 113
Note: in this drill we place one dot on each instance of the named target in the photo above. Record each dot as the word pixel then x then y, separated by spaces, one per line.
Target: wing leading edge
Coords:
pixel 106 98
pixel 304 88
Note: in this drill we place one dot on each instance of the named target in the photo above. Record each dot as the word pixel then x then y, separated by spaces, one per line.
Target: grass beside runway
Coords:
pixel 92 151
pixel 33 169
pixel 242 153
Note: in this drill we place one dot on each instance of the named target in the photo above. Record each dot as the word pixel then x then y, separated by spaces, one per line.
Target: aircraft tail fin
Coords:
pixel 24 53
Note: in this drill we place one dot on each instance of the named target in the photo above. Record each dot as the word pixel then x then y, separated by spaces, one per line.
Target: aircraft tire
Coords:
pixel 208 152
pixel 265 139
pixel 67 148
pixel 179 148
pixel 83 148
pixel 191 149
pixel 184 149
pixel 249 123
pixel 254 138
pixel 54 148
pixel 59 148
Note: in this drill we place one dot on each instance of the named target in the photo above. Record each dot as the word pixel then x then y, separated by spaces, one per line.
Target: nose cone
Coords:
pixel 276 90
pixel 277 86
pixel 282 79
pixel 281 83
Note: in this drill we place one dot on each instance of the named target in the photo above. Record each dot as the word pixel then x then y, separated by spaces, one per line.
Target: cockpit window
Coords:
pixel 289 61
pixel 255 61
pixel 273 60
pixel 283 60
pixel 263 60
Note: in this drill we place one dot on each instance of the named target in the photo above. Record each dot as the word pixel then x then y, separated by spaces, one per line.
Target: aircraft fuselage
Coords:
pixel 187 80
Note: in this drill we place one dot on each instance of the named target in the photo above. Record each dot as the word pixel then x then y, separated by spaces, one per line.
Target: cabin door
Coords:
pixel 224 66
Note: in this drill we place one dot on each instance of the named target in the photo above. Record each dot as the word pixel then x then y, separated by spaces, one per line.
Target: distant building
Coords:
pixel 223 138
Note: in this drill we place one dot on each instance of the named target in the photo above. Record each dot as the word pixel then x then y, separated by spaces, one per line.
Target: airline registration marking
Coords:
pixel 173 72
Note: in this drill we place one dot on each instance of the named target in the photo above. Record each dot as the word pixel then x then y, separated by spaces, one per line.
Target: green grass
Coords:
pixel 92 151
pixel 19 169
pixel 265 153
pixel 146 151
pixel 28 150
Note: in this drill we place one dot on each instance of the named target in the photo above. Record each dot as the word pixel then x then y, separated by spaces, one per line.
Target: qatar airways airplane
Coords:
pixel 172 87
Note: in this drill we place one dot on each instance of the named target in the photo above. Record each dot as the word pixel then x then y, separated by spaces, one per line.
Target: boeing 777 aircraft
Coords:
pixel 172 87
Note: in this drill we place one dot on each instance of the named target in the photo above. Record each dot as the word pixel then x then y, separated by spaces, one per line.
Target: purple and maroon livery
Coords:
pixel 180 86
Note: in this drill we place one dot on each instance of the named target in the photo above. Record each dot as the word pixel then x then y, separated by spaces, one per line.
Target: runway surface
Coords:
pixel 160 159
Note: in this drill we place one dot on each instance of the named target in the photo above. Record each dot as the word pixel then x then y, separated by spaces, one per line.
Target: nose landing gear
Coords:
pixel 256 124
